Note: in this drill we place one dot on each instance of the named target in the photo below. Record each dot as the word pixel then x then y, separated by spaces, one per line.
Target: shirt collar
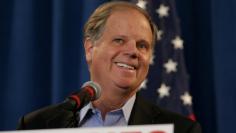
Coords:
pixel 127 108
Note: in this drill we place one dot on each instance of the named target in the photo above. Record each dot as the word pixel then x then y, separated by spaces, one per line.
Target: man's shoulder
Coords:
pixel 41 114
pixel 162 116
pixel 53 116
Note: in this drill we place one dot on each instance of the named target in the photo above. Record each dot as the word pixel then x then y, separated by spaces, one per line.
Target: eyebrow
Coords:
pixel 140 40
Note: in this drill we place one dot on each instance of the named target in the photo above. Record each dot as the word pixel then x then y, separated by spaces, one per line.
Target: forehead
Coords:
pixel 129 21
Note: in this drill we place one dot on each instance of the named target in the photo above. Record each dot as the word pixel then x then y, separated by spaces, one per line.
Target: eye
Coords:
pixel 143 46
pixel 119 40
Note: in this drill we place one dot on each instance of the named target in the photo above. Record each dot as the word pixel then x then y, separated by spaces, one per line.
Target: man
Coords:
pixel 118 40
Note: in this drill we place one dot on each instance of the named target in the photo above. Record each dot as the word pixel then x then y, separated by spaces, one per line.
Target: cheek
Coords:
pixel 101 58
pixel 145 70
pixel 145 65
pixel 146 60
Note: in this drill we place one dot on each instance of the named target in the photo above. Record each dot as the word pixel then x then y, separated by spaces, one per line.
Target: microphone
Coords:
pixel 89 91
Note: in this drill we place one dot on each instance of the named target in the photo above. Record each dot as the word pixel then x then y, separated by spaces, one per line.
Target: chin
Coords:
pixel 125 85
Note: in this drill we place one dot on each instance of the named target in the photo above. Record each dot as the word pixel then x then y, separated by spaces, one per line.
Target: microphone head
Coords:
pixel 96 87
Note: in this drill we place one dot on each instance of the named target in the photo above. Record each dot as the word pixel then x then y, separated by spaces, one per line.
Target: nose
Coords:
pixel 131 49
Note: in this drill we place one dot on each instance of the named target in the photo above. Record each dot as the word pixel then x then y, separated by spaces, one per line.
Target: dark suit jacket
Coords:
pixel 60 116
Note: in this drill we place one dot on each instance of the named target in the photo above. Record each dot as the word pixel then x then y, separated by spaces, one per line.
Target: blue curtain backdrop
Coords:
pixel 42 57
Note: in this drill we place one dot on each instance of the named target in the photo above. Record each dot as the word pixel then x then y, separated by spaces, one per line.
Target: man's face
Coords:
pixel 119 59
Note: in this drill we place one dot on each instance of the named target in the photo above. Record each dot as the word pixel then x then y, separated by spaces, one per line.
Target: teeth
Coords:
pixel 125 66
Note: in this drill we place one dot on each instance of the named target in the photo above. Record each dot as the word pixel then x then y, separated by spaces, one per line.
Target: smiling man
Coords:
pixel 118 40
pixel 119 59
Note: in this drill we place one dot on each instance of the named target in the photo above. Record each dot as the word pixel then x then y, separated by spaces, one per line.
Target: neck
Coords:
pixel 108 103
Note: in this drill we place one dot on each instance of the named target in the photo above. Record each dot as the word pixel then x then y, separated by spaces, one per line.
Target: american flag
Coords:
pixel 167 82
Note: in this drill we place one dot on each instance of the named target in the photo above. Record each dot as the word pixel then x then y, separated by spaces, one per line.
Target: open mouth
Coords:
pixel 126 66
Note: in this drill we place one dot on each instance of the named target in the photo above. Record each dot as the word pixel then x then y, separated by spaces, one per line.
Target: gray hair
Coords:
pixel 94 27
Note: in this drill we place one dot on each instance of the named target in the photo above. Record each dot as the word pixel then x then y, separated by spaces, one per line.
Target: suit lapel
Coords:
pixel 143 113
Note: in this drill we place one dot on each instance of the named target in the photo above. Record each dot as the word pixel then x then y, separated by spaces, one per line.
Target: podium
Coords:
pixel 160 128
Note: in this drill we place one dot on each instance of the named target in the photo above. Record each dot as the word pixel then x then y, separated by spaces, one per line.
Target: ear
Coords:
pixel 88 46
